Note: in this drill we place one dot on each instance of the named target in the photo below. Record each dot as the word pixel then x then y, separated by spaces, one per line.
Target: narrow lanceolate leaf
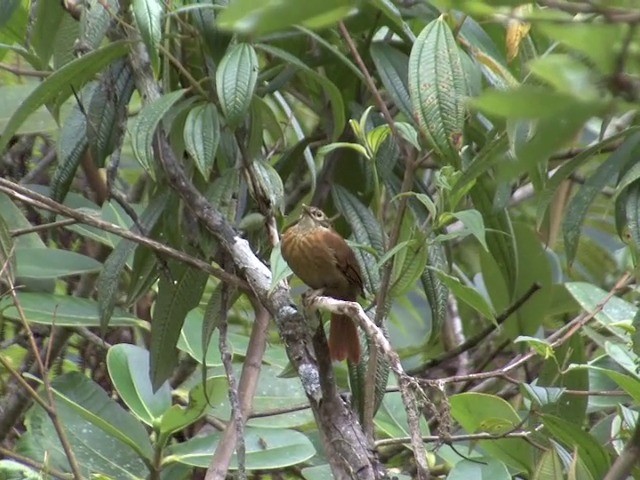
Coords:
pixel 145 126
pixel 236 80
pixel 434 288
pixel 409 265
pixel 579 205
pixel 107 110
pixel 58 85
pixel 392 66
pixel 109 277
pixel 71 145
pixel 148 14
pixel 94 21
pixel 201 136
pixel 366 230
pixel 265 184
pixel 437 85
pixel 176 296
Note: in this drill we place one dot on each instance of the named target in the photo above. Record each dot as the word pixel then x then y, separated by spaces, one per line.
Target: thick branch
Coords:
pixel 332 415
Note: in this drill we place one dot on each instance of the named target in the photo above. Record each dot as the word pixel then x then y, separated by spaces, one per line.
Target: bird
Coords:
pixel 321 258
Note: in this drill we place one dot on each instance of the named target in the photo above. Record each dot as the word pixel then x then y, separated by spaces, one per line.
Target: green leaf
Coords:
pixel 201 137
pixel 435 289
pixel 530 102
pixel 366 231
pixel 473 221
pixel 614 313
pixel 472 410
pixel 256 18
pixel 94 21
pixel 57 85
pixel 267 186
pixel 144 128
pixel 409 265
pixel 71 146
pixel 279 268
pixel 96 451
pixel 48 19
pixel 392 66
pixel 392 418
pixel 176 296
pixel 192 338
pixel 592 39
pixel 308 74
pixel 594 456
pixel 53 263
pixel 468 295
pixel 179 417
pixel 541 347
pixel 65 311
pixel 236 81
pixel 148 15
pixel 128 367
pixel 107 109
pixel 114 265
pixel 479 469
pixel 549 467
pixel 437 86
pixel 266 449
pixel 92 403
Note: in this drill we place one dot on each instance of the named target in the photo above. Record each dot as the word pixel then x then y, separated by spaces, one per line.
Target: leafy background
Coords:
pixel 480 157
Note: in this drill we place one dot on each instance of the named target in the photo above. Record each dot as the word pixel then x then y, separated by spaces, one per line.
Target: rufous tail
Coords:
pixel 343 339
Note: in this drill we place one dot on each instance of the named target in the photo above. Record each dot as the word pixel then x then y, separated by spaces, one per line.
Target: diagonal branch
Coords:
pixel 335 421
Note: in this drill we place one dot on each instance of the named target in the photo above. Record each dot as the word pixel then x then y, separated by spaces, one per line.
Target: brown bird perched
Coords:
pixel 321 258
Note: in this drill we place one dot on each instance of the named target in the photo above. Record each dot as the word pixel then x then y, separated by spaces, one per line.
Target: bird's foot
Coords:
pixel 310 294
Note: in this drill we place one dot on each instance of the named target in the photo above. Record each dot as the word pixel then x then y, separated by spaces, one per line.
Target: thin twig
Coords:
pixel 234 441
pixel 476 339
pixel 34 199
pixel 43 227
pixel 556 339
pixel 246 392
pixel 452 439
pixel 51 408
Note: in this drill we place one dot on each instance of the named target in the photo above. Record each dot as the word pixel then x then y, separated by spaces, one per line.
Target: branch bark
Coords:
pixel 336 422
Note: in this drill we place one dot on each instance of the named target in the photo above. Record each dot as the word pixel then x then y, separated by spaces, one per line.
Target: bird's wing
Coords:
pixel 345 259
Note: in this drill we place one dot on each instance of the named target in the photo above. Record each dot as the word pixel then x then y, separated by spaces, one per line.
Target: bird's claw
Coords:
pixel 310 294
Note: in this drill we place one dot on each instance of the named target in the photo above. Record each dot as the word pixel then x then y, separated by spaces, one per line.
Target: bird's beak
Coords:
pixel 306 209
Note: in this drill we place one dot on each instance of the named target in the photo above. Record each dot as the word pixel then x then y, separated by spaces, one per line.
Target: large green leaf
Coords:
pixel 98 449
pixel 176 297
pixel 65 310
pixel 114 265
pixel 479 469
pixel 148 15
pixel 236 81
pixel 57 85
pixel 595 457
pixel 478 412
pixel 266 449
pixel 144 128
pixel 129 371
pixel 53 263
pixel 392 66
pixel 251 17
pixel 201 136
pixel 438 87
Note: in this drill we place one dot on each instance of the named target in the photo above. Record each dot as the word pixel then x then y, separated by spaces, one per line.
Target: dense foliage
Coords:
pixel 481 157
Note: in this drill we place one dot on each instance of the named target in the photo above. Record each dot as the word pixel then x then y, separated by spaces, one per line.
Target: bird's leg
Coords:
pixel 310 294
